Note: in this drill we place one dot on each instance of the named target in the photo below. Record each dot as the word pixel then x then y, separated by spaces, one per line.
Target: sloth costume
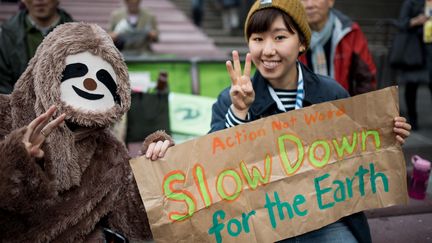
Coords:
pixel 84 181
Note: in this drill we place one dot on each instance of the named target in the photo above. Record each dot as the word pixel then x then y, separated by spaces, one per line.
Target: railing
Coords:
pixel 199 80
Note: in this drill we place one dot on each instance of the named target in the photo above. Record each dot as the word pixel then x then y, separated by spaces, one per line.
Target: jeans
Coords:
pixel 337 232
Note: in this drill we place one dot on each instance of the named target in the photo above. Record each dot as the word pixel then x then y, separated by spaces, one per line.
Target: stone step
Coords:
pixel 229 40
pixel 215 24
pixel 212 26
pixel 214 32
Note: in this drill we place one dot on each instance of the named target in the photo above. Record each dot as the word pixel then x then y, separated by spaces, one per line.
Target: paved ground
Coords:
pixel 411 223
pixel 414 228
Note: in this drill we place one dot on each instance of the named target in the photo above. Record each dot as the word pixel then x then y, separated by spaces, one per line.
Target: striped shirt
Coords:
pixel 287 97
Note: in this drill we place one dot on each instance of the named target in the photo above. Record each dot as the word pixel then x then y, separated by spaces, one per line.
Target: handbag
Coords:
pixel 406 51
pixel 148 113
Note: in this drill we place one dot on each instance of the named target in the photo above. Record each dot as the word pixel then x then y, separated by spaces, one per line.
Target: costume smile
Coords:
pixel 87 95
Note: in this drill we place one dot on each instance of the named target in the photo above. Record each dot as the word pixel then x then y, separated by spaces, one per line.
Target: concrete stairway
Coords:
pixel 178 35
pixel 176 26
pixel 212 26
pixel 179 38
pixel 373 17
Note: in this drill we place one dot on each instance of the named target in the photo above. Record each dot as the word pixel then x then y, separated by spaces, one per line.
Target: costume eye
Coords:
pixel 104 77
pixel 74 70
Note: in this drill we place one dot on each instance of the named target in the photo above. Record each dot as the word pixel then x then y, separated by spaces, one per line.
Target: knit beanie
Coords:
pixel 294 8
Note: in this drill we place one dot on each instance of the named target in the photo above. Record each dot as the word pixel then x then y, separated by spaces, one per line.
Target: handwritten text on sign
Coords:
pixel 277 177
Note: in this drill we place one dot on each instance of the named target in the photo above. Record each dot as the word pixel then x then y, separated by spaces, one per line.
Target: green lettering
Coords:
pixel 283 153
pixel 281 205
pixel 320 192
pixel 298 200
pixel 256 177
pixel 269 205
pixel 339 190
pixel 245 220
pixel 324 160
pixel 199 176
pixel 238 227
pixel 220 188
pixel 374 176
pixel 217 227
pixel 349 183
pixel 178 195
pixel 376 139
pixel 345 146
pixel 360 174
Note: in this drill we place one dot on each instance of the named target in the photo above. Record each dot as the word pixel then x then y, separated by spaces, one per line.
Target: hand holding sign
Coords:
pixel 38 130
pixel 241 92
pixel 401 129
pixel 157 150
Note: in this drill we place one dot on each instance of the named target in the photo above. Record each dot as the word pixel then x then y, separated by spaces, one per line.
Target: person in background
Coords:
pixel 411 19
pixel 22 34
pixel 244 9
pixel 133 29
pixel 339 48
pixel 230 15
pixel 197 12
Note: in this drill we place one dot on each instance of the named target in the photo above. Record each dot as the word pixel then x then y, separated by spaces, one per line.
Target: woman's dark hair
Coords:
pixel 262 20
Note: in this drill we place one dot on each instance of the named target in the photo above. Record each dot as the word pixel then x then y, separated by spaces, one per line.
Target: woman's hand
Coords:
pixel 402 129
pixel 241 92
pixel 38 130
pixel 158 149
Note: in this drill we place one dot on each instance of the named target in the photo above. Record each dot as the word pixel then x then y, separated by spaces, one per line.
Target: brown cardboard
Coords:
pixel 245 216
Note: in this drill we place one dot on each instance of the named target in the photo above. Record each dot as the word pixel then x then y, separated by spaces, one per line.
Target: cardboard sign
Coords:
pixel 279 176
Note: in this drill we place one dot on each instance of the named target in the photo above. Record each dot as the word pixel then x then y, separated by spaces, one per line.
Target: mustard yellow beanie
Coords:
pixel 294 8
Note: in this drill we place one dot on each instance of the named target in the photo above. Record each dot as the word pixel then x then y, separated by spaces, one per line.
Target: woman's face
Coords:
pixel 275 53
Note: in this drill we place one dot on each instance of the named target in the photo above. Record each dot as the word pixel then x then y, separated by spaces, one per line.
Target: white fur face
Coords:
pixel 89 83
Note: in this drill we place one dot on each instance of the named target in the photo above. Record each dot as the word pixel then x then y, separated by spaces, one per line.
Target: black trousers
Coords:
pixel 412 87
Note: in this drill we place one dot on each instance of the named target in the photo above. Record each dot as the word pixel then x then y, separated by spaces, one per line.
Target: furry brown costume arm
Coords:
pixel 5 116
pixel 155 137
pixel 130 217
pixel 22 180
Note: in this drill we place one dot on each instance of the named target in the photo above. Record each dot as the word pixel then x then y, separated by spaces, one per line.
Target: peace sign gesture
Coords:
pixel 241 92
pixel 38 130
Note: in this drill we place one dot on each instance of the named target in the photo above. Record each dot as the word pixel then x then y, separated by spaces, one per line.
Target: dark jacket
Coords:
pixel 409 10
pixel 351 59
pixel 13 49
pixel 317 89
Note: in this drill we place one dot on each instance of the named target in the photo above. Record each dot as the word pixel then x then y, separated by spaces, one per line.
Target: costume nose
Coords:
pixel 90 84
